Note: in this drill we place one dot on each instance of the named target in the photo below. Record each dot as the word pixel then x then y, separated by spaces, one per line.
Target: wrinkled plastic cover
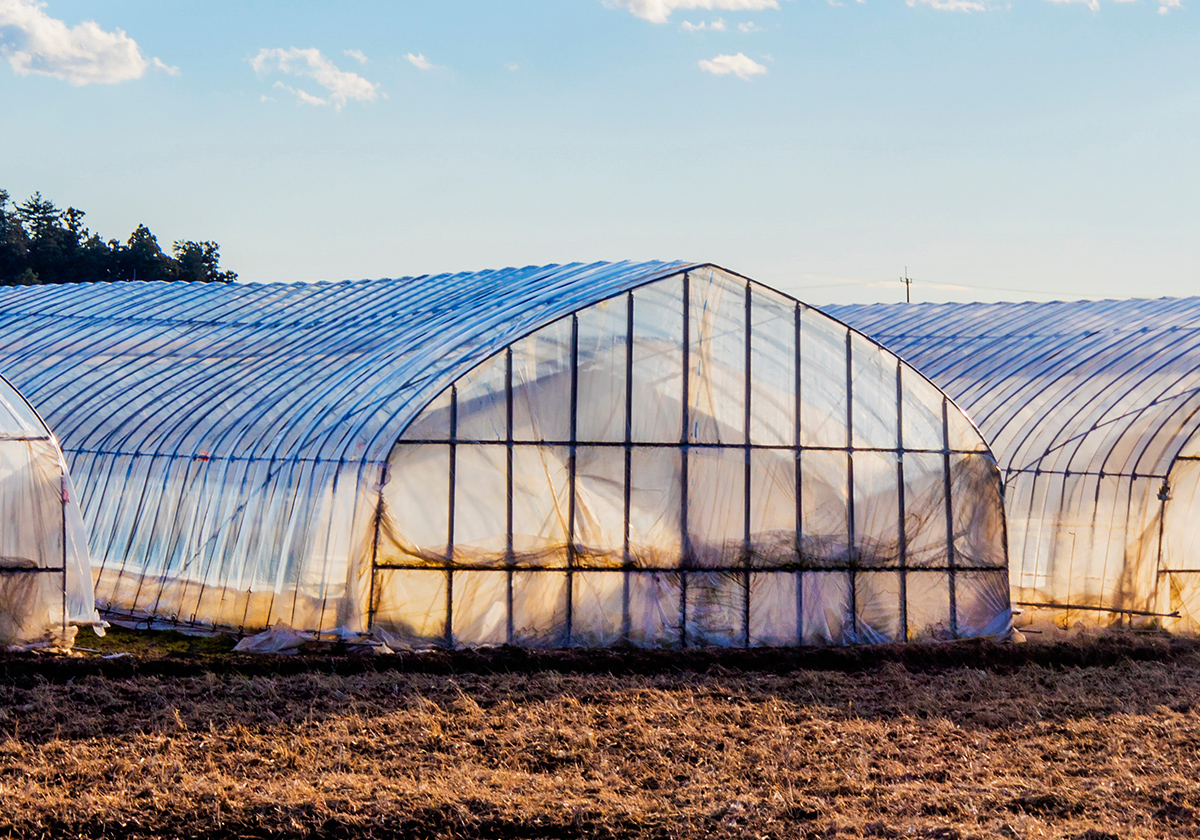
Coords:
pixel 45 573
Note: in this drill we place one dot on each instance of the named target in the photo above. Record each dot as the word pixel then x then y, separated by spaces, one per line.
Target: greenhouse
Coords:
pixel 45 579
pixel 1092 408
pixel 657 454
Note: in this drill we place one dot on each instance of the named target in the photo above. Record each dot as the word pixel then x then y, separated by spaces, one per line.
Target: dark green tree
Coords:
pixel 201 261
pixel 14 244
pixel 39 243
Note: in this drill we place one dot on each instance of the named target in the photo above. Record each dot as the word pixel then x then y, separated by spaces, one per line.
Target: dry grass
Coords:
pixel 1092 740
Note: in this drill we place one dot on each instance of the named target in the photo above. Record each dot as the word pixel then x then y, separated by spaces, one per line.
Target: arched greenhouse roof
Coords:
pixel 281 371
pixel 244 451
pixel 1108 387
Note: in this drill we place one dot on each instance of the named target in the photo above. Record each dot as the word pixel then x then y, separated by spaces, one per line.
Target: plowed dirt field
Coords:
pixel 1091 739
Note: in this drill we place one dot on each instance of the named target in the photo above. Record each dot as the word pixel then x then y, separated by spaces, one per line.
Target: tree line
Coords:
pixel 40 243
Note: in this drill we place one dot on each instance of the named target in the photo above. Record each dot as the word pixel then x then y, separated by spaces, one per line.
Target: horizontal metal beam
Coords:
pixel 1051 606
pixel 735 569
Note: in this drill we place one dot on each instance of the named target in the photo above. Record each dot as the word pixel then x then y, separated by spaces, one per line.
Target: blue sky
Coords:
pixel 1030 149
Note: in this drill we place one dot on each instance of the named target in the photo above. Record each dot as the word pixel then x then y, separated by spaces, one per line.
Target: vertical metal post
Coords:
pixel 799 486
pixel 574 434
pixel 64 496
pixel 685 542
pixel 509 556
pixel 626 619
pixel 383 474
pixel 451 512
pixel 902 544
pixel 746 546
pixel 951 559
pixel 851 537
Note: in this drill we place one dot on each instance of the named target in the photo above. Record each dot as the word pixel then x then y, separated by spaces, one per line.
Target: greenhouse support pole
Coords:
pixel 799 488
pixel 850 534
pixel 574 432
pixel 746 478
pixel 902 543
pixel 65 498
pixel 383 470
pixel 453 482
pixel 509 558
pixel 685 543
pixel 951 559
pixel 626 618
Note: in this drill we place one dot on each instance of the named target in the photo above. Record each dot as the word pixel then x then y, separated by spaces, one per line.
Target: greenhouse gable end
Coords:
pixel 1092 408
pixel 645 453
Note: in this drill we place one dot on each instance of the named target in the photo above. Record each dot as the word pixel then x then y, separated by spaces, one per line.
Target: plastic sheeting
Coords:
pixel 238 449
pixel 697 461
pixel 1092 408
pixel 45 578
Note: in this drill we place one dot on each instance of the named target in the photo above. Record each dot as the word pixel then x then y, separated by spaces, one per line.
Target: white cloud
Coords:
pixel 751 26
pixel 357 55
pixel 968 5
pixel 341 84
pixel 35 43
pixel 1164 6
pixel 717 25
pixel 1094 5
pixel 303 95
pixel 419 61
pixel 739 65
pixel 159 64
pixel 659 11
pixel 512 66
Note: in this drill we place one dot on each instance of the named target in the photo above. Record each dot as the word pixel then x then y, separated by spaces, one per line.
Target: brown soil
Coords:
pixel 1093 739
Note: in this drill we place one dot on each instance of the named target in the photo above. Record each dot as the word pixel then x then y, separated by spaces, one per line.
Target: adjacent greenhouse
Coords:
pixel 45 579
pixel 654 454
pixel 1092 408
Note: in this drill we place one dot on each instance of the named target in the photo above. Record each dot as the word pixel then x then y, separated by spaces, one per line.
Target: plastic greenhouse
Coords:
pixel 654 453
pixel 1092 408
pixel 45 579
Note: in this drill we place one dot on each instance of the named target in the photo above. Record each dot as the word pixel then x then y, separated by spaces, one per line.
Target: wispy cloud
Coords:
pixel 964 5
pixel 512 67
pixel 420 61
pixel 36 44
pixel 342 85
pixel 1094 5
pixel 751 26
pixel 357 55
pixel 717 25
pixel 738 65
pixel 659 11
pixel 159 64
pixel 1164 6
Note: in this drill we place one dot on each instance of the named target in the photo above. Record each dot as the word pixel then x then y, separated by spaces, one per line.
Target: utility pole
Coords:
pixel 907 286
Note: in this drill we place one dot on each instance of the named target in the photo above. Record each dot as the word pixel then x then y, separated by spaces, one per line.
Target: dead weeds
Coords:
pixel 1095 740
